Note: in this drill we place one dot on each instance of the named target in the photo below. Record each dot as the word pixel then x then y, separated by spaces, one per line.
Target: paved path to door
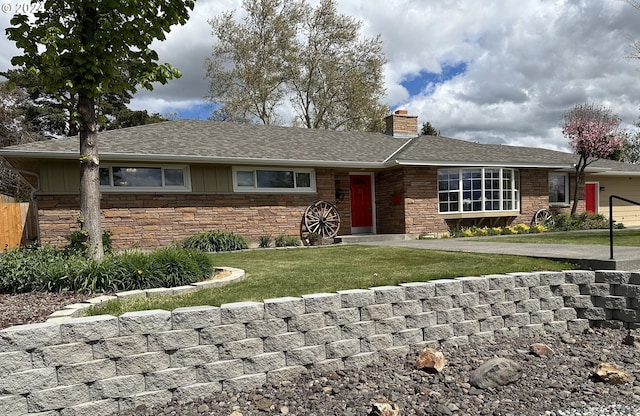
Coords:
pixel 589 257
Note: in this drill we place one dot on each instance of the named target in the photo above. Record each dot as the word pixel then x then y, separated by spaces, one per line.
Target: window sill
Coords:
pixel 479 214
pixel 559 205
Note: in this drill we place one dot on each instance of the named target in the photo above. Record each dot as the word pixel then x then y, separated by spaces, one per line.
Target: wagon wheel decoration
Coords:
pixel 321 218
pixel 543 217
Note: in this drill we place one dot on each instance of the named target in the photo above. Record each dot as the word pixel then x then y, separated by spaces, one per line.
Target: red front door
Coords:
pixel 361 204
pixel 591 197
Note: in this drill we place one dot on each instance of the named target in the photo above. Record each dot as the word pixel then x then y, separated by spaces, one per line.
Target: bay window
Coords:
pixel 478 190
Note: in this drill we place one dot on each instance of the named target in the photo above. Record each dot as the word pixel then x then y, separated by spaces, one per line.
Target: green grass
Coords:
pixel 294 272
pixel 629 238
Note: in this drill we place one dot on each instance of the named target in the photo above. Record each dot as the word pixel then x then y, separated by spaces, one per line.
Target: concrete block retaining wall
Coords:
pixel 102 365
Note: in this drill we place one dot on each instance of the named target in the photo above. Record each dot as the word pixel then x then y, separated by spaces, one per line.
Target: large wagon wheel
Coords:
pixel 543 217
pixel 320 219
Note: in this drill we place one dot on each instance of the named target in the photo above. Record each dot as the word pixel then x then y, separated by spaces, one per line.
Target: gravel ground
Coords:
pixel 29 308
pixel 561 384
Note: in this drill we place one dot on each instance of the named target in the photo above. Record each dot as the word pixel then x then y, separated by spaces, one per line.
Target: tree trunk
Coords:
pixel 90 176
pixel 579 185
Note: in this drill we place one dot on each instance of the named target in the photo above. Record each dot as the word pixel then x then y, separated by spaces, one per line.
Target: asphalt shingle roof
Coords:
pixel 210 141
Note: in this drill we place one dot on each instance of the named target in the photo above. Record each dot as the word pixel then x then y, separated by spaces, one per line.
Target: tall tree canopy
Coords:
pixel 285 52
pixel 630 151
pixel 593 134
pixel 88 49
pixel 43 111
pixel 13 130
pixel 429 130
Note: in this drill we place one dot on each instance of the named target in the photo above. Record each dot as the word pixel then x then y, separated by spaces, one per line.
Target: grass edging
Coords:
pixel 78 309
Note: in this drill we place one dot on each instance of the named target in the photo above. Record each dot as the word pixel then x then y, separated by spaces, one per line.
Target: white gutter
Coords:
pixel 198 159
pixel 483 164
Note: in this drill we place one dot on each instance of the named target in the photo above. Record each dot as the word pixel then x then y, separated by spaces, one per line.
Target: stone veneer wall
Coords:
pixel 105 364
pixel 149 220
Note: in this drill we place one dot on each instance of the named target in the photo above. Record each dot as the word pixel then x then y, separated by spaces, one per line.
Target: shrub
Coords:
pixel 78 243
pixel 93 276
pixel 522 228
pixel 481 232
pixel 508 230
pixel 284 240
pixel 595 222
pixel 265 241
pixel 141 272
pixel 31 269
pixel 563 222
pixel 181 267
pixel 583 221
pixel 466 232
pixel 45 269
pixel 537 228
pixel 494 231
pixel 210 242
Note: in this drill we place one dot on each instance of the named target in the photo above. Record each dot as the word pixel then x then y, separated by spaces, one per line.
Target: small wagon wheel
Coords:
pixel 543 217
pixel 322 218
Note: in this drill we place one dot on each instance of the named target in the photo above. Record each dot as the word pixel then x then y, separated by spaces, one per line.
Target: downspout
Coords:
pixel 32 194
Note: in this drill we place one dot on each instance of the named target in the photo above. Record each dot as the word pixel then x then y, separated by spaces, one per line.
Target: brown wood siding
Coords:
pixel 59 177
pixel 210 179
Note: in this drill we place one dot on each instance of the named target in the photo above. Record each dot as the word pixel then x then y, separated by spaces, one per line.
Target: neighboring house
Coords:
pixel 163 182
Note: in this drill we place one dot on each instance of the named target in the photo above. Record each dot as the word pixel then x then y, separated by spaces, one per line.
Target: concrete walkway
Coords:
pixel 587 257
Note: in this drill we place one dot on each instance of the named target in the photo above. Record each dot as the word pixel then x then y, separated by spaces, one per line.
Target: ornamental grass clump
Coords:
pixel 215 241
pixel 47 269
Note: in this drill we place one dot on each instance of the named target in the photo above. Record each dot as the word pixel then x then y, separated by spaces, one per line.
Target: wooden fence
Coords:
pixel 17 223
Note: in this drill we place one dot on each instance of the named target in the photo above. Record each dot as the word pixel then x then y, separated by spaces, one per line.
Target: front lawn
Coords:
pixel 294 272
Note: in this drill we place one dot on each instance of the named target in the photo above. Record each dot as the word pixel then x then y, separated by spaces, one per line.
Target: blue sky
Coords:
pixel 501 72
pixel 425 82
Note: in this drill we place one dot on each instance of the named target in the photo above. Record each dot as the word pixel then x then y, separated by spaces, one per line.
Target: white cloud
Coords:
pixel 527 62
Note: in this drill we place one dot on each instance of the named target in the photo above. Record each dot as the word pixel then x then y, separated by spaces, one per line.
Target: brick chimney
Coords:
pixel 401 124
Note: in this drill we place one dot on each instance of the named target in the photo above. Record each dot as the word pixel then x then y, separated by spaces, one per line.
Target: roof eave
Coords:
pixel 159 158
pixel 483 164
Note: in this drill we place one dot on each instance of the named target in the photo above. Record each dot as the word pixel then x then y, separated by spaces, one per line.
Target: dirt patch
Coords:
pixel 220 274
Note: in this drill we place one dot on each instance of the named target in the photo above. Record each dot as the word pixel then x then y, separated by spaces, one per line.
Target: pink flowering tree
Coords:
pixel 593 134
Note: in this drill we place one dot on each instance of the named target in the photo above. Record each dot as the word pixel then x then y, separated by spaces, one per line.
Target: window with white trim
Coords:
pixel 478 190
pixel 249 179
pixel 130 178
pixel 558 188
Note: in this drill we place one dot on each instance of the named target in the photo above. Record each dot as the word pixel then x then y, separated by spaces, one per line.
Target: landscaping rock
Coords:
pixel 496 372
pixel 611 373
pixel 385 408
pixel 431 360
pixel 558 385
pixel 541 350
pixel 633 338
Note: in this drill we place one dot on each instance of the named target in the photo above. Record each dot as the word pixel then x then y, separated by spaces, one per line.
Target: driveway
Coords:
pixel 588 257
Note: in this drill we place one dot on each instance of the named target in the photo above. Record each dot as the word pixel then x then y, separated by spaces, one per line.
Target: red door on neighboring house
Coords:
pixel 361 204
pixel 591 197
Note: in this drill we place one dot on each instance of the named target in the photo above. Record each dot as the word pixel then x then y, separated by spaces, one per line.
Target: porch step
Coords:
pixel 364 238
